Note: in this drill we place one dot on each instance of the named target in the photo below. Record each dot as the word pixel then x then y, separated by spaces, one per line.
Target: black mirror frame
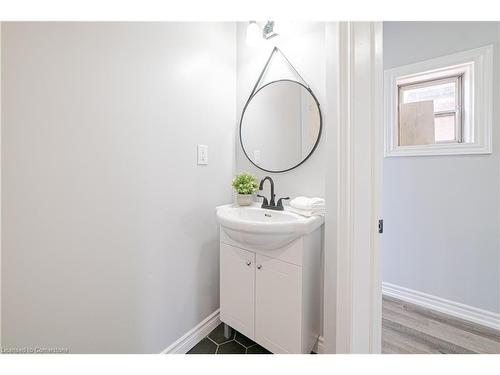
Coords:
pixel 319 133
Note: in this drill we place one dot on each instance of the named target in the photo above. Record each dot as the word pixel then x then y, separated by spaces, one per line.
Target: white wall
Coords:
pixel 110 242
pixel 332 107
pixel 441 213
pixel 303 43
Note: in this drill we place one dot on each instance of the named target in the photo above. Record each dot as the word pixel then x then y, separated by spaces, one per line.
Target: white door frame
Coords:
pixel 352 316
pixel 0 184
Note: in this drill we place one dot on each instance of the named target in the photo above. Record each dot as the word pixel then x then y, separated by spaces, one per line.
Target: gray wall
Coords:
pixel 110 242
pixel 441 213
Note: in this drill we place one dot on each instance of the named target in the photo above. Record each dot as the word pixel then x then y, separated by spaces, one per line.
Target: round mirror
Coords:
pixel 280 126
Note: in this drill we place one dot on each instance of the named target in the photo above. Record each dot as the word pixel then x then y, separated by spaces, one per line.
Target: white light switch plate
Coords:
pixel 202 154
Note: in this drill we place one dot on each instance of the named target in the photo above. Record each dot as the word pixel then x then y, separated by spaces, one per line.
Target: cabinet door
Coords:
pixel 237 288
pixel 278 310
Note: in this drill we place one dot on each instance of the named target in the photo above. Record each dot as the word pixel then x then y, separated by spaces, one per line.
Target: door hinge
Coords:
pixel 381 226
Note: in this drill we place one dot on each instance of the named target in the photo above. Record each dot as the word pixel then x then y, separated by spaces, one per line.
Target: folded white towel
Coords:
pixel 304 203
pixel 307 213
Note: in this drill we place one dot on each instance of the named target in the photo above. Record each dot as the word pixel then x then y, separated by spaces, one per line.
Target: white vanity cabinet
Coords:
pixel 273 296
pixel 237 288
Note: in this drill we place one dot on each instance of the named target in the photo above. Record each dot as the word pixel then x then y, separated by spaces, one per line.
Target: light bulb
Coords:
pixel 253 33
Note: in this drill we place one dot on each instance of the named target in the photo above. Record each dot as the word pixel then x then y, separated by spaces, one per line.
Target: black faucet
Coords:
pixel 271 205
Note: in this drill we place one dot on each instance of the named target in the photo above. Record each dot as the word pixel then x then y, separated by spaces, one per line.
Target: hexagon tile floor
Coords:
pixel 216 343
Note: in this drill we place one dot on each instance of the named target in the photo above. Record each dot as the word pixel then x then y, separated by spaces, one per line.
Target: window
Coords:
pixel 440 106
pixel 436 102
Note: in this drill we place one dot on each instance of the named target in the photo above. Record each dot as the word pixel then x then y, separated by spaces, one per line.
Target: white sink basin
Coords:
pixel 264 229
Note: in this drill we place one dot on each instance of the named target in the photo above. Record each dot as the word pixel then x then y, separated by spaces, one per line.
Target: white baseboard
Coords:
pixel 459 310
pixel 319 347
pixel 195 335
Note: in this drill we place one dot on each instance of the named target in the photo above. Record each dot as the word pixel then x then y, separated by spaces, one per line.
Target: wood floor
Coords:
pixel 408 328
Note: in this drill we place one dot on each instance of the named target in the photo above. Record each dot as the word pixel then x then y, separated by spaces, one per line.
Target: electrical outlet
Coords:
pixel 202 154
pixel 256 156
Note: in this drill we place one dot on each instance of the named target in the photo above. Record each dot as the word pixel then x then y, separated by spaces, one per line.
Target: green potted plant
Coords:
pixel 245 185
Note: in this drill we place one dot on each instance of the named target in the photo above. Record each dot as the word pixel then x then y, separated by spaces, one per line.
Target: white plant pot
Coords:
pixel 244 199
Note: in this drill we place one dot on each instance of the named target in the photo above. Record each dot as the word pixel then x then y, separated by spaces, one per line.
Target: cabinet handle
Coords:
pixel 259 266
pixel 248 262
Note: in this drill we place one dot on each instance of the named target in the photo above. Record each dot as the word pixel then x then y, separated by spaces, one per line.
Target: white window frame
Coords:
pixel 476 68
